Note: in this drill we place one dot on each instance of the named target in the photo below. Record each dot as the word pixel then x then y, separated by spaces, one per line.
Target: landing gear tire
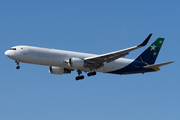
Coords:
pixel 91 74
pixel 80 77
pixel 18 67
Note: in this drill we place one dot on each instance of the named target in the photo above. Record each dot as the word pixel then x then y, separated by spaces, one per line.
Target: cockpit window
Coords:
pixel 12 48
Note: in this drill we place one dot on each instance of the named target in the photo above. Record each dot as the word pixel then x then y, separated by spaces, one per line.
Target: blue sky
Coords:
pixel 98 27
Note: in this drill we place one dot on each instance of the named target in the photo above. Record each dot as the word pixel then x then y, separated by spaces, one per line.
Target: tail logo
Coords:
pixel 160 42
pixel 153 47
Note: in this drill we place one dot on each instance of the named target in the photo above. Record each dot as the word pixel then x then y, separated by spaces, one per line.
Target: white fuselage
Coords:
pixel 54 57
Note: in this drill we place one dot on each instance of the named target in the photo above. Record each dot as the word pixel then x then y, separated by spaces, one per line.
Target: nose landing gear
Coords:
pixel 17 63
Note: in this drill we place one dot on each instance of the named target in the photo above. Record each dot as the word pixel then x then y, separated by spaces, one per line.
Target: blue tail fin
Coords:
pixel 150 54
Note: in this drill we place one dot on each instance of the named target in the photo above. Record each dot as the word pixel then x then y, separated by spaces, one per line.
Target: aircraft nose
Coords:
pixel 11 54
pixel 8 53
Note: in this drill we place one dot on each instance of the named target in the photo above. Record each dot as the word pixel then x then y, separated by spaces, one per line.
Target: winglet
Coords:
pixel 145 41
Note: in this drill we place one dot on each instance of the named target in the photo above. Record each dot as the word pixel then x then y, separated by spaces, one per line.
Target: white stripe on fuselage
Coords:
pixel 54 57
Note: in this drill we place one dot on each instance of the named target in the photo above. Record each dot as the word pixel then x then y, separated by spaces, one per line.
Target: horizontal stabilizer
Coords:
pixel 157 65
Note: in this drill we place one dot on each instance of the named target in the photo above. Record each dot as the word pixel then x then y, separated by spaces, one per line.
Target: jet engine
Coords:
pixel 58 70
pixel 76 63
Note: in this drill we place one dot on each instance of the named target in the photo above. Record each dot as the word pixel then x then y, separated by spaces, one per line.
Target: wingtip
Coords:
pixel 145 41
pixel 171 61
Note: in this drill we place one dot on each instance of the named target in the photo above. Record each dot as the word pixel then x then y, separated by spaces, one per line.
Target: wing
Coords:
pixel 96 62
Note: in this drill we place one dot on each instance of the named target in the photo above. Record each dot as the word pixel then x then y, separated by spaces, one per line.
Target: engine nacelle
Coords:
pixel 76 63
pixel 58 70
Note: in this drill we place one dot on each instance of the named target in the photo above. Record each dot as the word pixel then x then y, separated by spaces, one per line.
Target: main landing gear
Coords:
pixel 91 74
pixel 80 77
pixel 17 63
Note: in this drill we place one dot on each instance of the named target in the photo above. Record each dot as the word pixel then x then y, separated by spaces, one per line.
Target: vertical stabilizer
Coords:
pixel 150 54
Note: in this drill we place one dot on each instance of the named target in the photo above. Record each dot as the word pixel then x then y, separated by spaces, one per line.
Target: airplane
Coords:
pixel 64 62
